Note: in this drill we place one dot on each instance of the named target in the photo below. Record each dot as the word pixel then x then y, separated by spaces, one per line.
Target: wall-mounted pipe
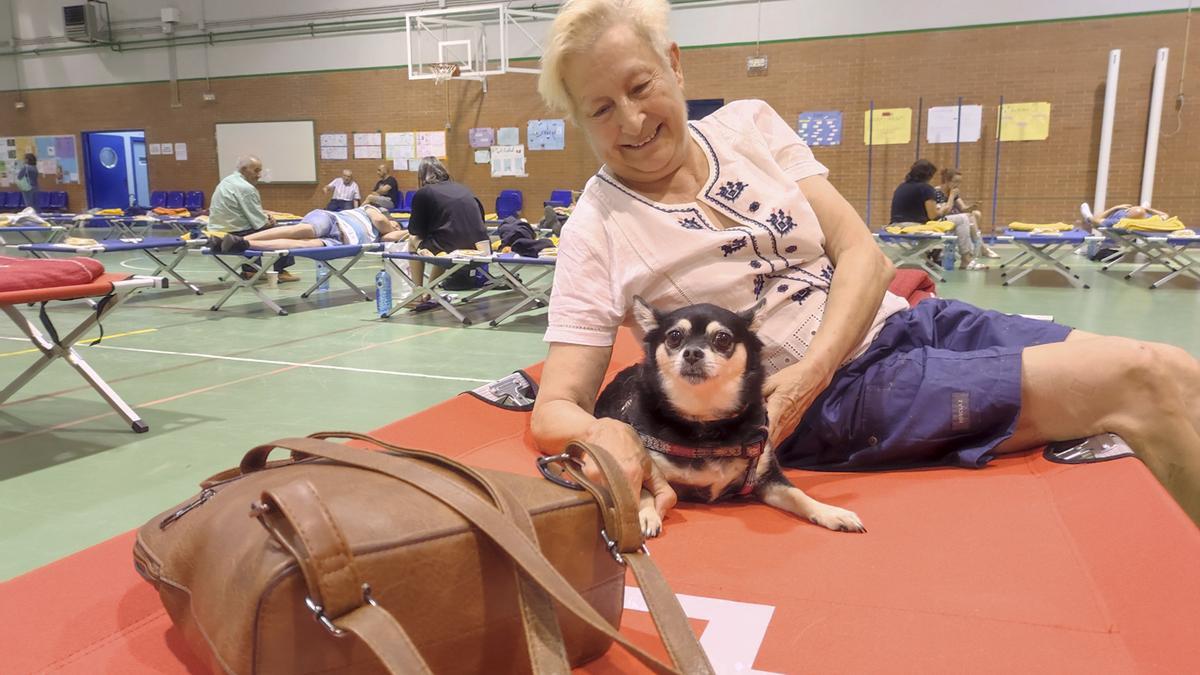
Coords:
pixel 1156 100
pixel 1106 130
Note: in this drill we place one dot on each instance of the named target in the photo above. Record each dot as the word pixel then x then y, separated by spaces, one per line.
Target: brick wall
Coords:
pixel 1064 63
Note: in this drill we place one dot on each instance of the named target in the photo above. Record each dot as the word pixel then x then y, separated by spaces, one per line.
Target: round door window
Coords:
pixel 108 158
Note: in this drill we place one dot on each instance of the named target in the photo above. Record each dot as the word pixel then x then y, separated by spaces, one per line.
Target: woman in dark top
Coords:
pixel 446 216
pixel 916 201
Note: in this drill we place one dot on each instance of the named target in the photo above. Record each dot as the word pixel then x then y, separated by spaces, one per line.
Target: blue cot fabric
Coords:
pixel 940 385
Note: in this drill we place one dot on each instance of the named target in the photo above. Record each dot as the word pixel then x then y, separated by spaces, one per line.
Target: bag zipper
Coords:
pixel 204 496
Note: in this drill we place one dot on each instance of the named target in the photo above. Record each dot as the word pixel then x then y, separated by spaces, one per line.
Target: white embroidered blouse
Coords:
pixel 618 244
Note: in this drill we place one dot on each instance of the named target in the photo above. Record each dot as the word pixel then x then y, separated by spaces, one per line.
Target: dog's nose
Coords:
pixel 692 355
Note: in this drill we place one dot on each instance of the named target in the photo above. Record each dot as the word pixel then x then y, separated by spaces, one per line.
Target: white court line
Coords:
pixel 282 363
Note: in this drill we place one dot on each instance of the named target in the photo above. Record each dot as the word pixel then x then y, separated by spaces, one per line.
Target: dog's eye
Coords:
pixel 674 338
pixel 722 341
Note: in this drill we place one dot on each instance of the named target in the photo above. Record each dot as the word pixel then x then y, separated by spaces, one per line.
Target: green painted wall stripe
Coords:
pixel 690 47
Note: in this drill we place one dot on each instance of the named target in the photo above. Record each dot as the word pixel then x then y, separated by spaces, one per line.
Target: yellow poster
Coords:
pixel 891 126
pixel 1024 121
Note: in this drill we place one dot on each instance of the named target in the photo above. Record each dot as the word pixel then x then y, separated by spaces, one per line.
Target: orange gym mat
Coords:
pixel 1024 566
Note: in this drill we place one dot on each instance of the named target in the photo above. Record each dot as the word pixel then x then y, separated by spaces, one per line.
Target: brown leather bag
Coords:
pixel 409 562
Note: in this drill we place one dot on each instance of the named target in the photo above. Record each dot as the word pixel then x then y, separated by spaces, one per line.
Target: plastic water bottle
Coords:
pixel 323 277
pixel 948 253
pixel 383 292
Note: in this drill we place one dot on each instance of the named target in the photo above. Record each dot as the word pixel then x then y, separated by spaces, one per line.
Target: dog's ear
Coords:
pixel 753 316
pixel 644 314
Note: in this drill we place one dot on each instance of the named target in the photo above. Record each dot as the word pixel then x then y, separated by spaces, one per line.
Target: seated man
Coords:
pixel 345 192
pixel 386 194
pixel 364 225
pixel 236 208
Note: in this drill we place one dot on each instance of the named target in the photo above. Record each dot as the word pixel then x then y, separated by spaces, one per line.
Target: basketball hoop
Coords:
pixel 442 72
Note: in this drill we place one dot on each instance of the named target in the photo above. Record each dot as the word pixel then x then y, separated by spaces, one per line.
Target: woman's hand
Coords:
pixel 789 394
pixel 623 443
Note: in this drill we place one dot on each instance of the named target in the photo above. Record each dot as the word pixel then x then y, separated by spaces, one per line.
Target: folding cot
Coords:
pixel 1168 250
pixel 1024 566
pixel 150 247
pixel 1040 250
pixel 351 254
pixel 908 250
pixel 111 290
pixel 52 233
pixel 450 265
pixel 507 266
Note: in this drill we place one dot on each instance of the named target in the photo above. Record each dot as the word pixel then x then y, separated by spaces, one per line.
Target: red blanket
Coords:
pixel 913 285
pixel 20 274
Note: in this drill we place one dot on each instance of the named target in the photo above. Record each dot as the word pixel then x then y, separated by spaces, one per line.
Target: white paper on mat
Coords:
pixel 368 152
pixel 334 152
pixel 944 124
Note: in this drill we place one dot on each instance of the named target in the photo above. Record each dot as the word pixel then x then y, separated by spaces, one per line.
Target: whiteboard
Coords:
pixel 287 149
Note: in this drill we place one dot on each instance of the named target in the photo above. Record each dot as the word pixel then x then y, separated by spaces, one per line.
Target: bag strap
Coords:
pixel 505 535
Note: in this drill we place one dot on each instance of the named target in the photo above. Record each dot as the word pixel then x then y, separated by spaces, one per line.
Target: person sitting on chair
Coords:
pixel 345 192
pixel 386 194
pixel 321 227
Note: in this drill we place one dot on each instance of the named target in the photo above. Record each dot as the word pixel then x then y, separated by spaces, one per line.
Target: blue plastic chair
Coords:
pixel 194 201
pixel 509 203
pixel 558 198
pixel 42 201
pixel 10 201
pixel 175 199
pixel 158 199
pixel 58 200
pixel 408 197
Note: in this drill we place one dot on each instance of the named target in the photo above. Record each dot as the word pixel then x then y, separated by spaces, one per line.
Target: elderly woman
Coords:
pixel 733 209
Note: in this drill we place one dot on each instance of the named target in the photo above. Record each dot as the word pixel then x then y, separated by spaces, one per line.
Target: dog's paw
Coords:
pixel 650 521
pixel 837 519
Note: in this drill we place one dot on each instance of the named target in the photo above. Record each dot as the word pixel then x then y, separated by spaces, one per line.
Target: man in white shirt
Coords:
pixel 345 192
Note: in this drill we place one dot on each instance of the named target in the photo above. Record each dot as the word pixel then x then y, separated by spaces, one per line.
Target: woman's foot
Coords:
pixel 988 251
pixel 976 265
pixel 1086 211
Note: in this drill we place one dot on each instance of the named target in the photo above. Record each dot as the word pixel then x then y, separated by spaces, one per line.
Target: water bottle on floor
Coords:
pixel 322 277
pixel 383 293
pixel 948 253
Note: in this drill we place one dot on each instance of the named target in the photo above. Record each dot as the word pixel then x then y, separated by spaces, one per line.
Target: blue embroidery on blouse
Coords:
pixel 756 264
pixel 731 190
pixel 754 206
pixel 790 249
pixel 759 280
pixel 801 295
pixel 781 221
pixel 691 224
pixel 827 273
pixel 782 288
pixel 734 246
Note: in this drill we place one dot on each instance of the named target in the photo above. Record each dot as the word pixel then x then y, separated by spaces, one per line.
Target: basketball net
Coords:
pixel 442 72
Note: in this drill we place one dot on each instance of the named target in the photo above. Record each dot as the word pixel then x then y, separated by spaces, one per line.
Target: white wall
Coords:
pixel 40 22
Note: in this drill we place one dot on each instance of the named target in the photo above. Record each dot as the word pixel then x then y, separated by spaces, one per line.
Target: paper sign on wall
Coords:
pixel 508 160
pixel 483 156
pixel 368 152
pixel 168 149
pixel 334 152
pixel 483 137
pixel 820 128
pixel 945 126
pixel 413 164
pixel 180 152
pixel 368 139
pixel 508 136
pixel 333 140
pixel 47 167
pixel 889 126
pixel 1024 121
pixel 546 135
pixel 401 145
pixel 155 149
pixel 431 144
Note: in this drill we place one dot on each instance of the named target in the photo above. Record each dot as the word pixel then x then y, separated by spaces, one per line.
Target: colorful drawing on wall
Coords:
pixel 546 134
pixel 889 126
pixel 820 128
pixel 431 144
pixel 508 160
pixel 56 155
pixel 946 127
pixel 483 137
pixel 508 136
pixel 1024 121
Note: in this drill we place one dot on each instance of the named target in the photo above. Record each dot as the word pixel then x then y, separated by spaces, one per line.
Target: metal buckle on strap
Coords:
pixel 612 547
pixel 543 465
pixel 319 611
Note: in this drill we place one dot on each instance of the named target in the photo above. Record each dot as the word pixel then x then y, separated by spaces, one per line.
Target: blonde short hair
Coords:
pixel 581 22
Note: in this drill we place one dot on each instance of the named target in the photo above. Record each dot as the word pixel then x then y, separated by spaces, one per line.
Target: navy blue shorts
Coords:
pixel 939 385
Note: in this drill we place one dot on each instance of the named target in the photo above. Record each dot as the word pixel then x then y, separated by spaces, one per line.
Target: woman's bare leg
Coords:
pixel 283 244
pixel 1144 392
pixel 297 231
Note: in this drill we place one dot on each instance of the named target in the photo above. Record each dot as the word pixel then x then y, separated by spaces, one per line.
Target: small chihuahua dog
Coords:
pixel 697 403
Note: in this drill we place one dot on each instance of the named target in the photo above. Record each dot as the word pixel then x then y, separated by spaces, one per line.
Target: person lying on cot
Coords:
pixel 735 210
pixel 364 225
pixel 1113 215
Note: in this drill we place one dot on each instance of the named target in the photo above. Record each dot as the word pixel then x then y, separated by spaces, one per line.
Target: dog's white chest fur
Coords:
pixel 712 477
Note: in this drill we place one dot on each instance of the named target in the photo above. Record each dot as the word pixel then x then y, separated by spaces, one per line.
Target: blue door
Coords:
pixel 140 179
pixel 107 177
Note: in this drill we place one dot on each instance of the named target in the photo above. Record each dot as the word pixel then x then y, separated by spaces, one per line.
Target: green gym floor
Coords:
pixel 213 384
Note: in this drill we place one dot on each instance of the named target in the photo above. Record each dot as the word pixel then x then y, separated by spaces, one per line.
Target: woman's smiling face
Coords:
pixel 629 101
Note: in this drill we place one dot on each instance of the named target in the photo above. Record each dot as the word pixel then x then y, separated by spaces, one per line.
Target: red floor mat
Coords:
pixel 1025 566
